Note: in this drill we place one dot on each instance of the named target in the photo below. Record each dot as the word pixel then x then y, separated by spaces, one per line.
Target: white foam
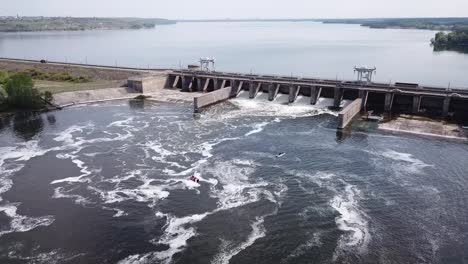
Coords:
pixel 143 193
pixel 352 220
pixel 60 192
pixel 312 242
pixel 231 187
pixel 227 251
pixel 20 223
pixel 122 123
pixel 85 172
pixel 176 233
pixel 408 164
pixel 257 128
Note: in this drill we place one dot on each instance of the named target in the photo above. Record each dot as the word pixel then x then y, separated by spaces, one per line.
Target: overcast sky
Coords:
pixel 214 9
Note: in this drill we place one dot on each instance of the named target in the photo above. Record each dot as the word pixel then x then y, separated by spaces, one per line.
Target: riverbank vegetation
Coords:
pixel 21 24
pixel 440 23
pixel 456 40
pixel 17 92
pixel 56 76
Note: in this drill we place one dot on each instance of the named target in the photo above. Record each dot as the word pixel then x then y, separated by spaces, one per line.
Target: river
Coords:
pixel 299 48
pixel 108 183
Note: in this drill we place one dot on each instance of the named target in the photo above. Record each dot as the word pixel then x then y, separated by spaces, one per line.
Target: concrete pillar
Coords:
pixel 205 86
pixel 363 95
pixel 416 104
pixel 251 89
pixel 190 84
pixel 313 95
pixel 223 84
pixel 234 88
pixel 292 93
pixel 199 84
pixel 176 80
pixel 388 102
pixel 256 90
pixel 185 83
pixel 271 91
pixel 446 106
pixel 338 94
pixel 239 88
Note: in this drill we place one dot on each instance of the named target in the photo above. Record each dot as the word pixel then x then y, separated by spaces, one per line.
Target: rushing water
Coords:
pixel 299 48
pixel 108 183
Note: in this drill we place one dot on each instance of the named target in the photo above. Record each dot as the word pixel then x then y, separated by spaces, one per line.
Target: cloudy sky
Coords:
pixel 215 9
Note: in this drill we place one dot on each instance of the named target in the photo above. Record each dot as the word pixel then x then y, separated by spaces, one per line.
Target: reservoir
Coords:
pixel 109 182
pixel 309 49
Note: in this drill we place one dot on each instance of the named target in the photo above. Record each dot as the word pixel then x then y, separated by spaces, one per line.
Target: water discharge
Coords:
pixel 127 171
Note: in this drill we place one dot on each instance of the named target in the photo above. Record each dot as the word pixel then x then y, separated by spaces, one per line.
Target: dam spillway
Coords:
pixel 397 97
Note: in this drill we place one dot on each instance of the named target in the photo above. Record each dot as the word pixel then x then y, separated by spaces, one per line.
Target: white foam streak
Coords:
pixel 407 164
pixel 352 221
pixel 227 252
pixel 258 128
pixel 20 223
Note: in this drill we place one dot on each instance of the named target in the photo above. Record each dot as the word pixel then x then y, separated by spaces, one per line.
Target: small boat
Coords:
pixel 281 154
pixel 194 179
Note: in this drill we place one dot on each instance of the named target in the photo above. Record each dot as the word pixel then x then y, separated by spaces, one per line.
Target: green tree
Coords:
pixel 440 39
pixel 21 92
pixel 3 78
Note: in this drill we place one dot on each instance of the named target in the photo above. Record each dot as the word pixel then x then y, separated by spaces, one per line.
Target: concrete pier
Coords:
pixel 254 89
pixel 215 84
pixel 416 104
pixel 363 95
pixel 446 106
pixel 211 98
pixel 314 94
pixel 388 102
pixel 293 93
pixel 273 91
pixel 346 115
pixel 337 96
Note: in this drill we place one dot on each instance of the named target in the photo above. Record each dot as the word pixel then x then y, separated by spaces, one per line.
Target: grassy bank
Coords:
pixel 58 78
pixel 60 87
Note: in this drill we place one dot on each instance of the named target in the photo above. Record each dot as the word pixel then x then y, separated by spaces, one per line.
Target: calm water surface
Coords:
pixel 108 183
pixel 299 48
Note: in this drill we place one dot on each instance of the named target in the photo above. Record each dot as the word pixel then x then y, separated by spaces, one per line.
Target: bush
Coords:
pixel 3 78
pixel 56 76
pixel 48 97
pixel 21 93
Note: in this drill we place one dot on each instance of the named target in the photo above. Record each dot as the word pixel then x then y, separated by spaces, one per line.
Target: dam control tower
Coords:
pixel 364 73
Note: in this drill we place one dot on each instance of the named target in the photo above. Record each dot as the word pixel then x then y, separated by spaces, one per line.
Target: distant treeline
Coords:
pixel 21 24
pixel 450 23
pixel 453 35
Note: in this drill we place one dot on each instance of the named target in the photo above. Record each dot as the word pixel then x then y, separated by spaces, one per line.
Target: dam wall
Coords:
pixel 414 99
pixel 211 98
pixel 149 83
pixel 346 115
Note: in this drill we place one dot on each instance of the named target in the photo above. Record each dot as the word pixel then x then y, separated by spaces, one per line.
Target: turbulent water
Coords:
pixel 108 183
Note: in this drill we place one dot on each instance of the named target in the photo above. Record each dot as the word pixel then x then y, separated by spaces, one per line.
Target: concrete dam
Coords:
pixel 408 98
